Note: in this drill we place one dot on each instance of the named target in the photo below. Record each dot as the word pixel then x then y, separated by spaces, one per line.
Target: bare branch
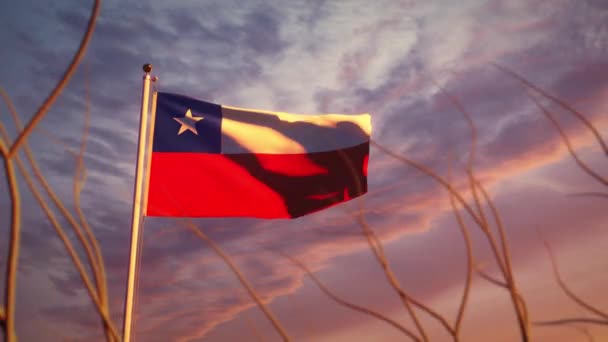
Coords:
pixel 3 149
pixel 584 331
pixel 79 180
pixel 64 238
pixel 55 139
pixel 250 323
pixel 425 170
pixel 90 245
pixel 48 102
pixel 498 283
pixel 394 283
pixel 565 288
pixel 564 321
pixel 516 297
pixel 244 282
pixel 10 289
pixel 378 251
pixel 376 246
pixel 489 278
pixel 345 303
pixel 469 261
pixel 566 141
pixel 562 104
pixel 503 260
pixel 484 225
pixel 2 319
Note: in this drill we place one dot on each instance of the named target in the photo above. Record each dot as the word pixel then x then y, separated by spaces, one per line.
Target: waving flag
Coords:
pixel 211 160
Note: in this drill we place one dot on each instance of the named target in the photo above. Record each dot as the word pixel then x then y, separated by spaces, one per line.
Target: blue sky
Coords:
pixel 383 57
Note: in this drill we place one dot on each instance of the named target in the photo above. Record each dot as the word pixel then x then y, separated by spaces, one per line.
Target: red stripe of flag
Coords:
pixel 254 185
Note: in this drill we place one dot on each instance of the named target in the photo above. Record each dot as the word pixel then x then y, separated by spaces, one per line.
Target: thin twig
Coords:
pixel 378 251
pixel 485 227
pixel 517 299
pixel 475 217
pixel 79 181
pixel 563 104
pixel 564 321
pixel 496 282
pixel 276 324
pixel 438 179
pixel 48 102
pixel 64 238
pixel 584 331
pixel 2 320
pixel 2 311
pixel 434 176
pixel 491 279
pixel 55 139
pixel 504 264
pixel 345 303
pixel 10 288
pixel 565 288
pixel 92 250
pixel 406 299
pixel 566 141
pixel 469 262
pixel 249 321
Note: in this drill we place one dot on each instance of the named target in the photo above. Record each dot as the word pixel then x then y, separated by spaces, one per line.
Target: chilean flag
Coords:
pixel 210 160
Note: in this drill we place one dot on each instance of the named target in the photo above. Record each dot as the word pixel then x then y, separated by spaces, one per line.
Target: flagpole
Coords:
pixel 149 148
pixel 137 201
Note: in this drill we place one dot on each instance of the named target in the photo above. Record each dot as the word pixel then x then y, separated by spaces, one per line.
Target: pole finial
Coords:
pixel 147 68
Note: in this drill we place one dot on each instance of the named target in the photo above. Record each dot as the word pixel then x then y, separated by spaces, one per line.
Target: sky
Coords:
pixel 387 58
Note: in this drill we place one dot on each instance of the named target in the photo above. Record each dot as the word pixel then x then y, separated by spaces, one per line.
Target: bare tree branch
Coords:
pixel 90 245
pixel 2 319
pixel 516 297
pixel 78 184
pixel 378 251
pixel 565 288
pixel 394 283
pixel 517 302
pixel 469 261
pixel 345 303
pixel 498 283
pixel 10 289
pixel 48 102
pixel 64 238
pixel 566 141
pixel 502 259
pixel 485 227
pixel 244 282
pixel 489 278
pixel 564 321
pixel 425 170
pixel 585 332
pixel 562 104
pixel 250 323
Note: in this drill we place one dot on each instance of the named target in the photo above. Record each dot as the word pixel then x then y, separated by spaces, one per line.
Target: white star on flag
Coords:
pixel 188 122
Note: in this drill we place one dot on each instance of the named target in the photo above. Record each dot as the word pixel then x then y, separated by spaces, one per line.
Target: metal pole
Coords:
pixel 137 200
pixel 149 148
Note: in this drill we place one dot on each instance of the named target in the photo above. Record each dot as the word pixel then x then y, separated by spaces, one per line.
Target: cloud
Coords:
pixel 325 56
